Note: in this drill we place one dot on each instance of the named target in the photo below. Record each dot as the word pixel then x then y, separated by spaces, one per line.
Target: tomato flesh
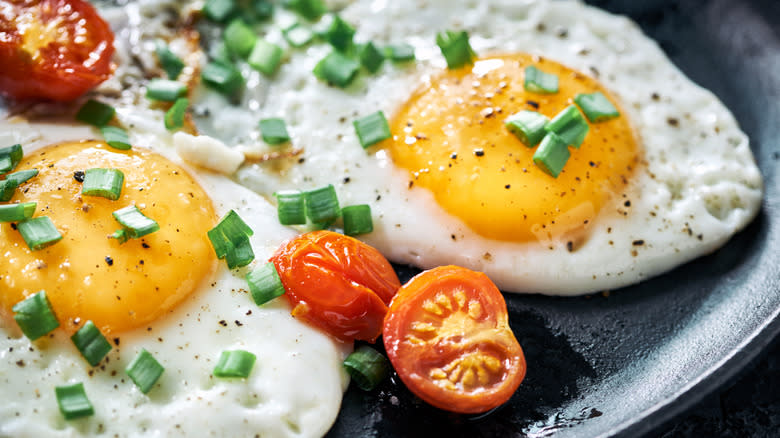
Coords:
pixel 337 283
pixel 447 335
pixel 52 49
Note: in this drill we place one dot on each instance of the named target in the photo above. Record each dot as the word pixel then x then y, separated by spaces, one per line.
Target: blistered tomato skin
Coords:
pixel 337 283
pixel 447 335
pixel 52 49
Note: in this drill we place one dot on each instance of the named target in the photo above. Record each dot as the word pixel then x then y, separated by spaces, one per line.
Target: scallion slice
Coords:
pixel 239 38
pixel 400 52
pixel 372 129
pixel 263 9
pixel 235 363
pixel 570 126
pixel 337 69
pixel 144 370
pixel 165 90
pixel 106 183
pixel 290 207
pixel 265 57
pixel 274 131
pixel 17 212
pixel 135 223
pixel 91 343
pixel 456 48
pixel 596 106
pixel 552 154
pixel 340 34
pixel 298 35
pixel 172 64
pixel 537 81
pixel 322 205
pixel 35 316
pixel 230 239
pixel 21 176
pixel 38 233
pixel 357 219
pixel 367 367
pixel 120 235
pixel 73 401
pixel 311 9
pixel 10 157
pixel 528 126
pixel 95 113
pixel 223 77
pixel 7 189
pixel 219 10
pixel 116 137
pixel 174 117
pixel 265 284
pixel 371 57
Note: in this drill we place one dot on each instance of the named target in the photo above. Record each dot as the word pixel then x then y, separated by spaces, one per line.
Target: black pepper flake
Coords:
pixel 109 261
pixel 453 237
pixel 145 245
pixel 20 363
pixel 248 312
pixel 508 186
pixel 592 164
pixel 479 152
pixel 223 323
pixel 655 96
pixel 638 242
pixel 13 225
pixel 570 246
pixel 411 184
pixel 533 103
pixel 347 179
pixel 238 323
pixel 140 262
pixel 454 155
pixel 116 341
pixel 301 160
pixel 79 176
pixel 672 121
pixel 627 203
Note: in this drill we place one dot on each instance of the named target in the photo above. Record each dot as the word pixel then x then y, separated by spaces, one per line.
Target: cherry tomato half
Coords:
pixel 447 335
pixel 52 49
pixel 337 283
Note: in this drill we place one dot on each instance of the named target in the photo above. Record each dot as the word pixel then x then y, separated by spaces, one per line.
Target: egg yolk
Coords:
pixel 450 136
pixel 89 276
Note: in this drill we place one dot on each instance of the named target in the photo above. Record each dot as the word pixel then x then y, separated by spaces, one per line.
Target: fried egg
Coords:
pixel 669 180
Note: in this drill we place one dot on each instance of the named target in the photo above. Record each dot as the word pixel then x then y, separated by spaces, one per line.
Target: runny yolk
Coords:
pixel 88 276
pixel 450 136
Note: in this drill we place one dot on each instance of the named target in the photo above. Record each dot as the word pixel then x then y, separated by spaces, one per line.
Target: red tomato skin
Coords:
pixel 59 72
pixel 414 362
pixel 337 283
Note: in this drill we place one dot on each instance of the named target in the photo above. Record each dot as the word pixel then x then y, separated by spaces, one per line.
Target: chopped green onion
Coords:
pixel 10 157
pixel 263 9
pixel 265 57
pixel 552 154
pixel 537 81
pixel 337 68
pixel 265 284
pixel 21 176
pixel 570 126
pixel 298 35
pixel 38 232
pixel 17 212
pixel 91 343
pixel 165 90
pixel 103 182
pixel 73 401
pixel 367 367
pixel 172 64
pixel 596 106
pixel 174 117
pixel 340 34
pixel 311 9
pixel 290 207
pixel 95 113
pixel 400 52
pixel 116 137
pixel 357 219
pixel 225 78
pixel 371 57
pixel 528 126
pixel 274 131
pixel 35 316
pixel 456 48
pixel 372 129
pixel 7 189
pixel 230 239
pixel 144 370
pixel 239 38
pixel 120 235
pixel 219 10
pixel 235 363
pixel 219 53
pixel 322 205
pixel 135 223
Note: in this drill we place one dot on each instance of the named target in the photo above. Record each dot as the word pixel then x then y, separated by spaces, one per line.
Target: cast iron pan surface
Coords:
pixel 626 363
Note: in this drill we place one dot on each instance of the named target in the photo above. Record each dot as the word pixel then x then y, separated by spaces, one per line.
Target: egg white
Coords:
pixel 700 184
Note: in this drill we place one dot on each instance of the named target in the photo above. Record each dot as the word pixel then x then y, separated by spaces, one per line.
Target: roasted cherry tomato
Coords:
pixel 52 49
pixel 447 335
pixel 337 283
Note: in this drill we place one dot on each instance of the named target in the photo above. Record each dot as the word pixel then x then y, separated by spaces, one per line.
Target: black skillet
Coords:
pixel 625 364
